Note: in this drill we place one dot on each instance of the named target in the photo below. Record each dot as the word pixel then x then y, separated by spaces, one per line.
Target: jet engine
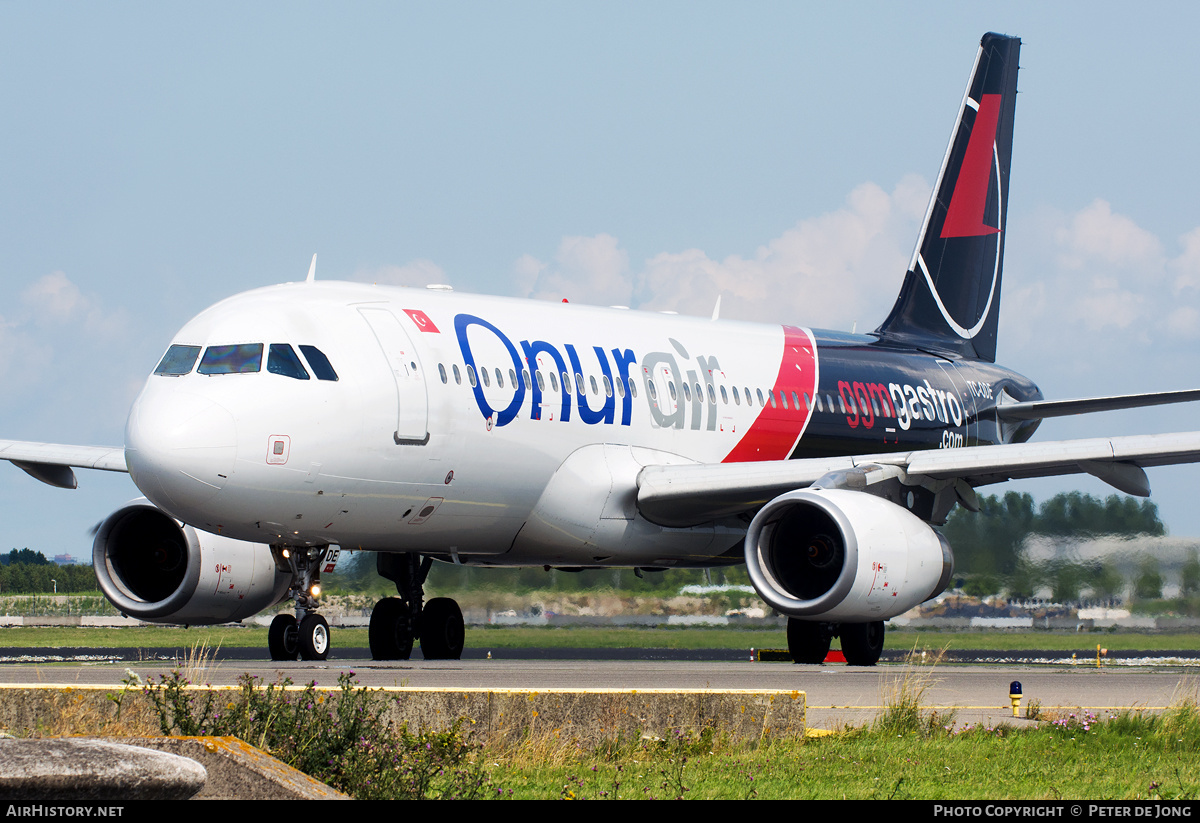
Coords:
pixel 155 569
pixel 838 555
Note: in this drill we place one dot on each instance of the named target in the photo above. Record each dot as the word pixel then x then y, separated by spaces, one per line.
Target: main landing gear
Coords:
pixel 862 643
pixel 305 634
pixel 397 621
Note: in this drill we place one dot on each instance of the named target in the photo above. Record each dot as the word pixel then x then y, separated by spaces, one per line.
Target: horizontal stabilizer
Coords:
pixel 1041 409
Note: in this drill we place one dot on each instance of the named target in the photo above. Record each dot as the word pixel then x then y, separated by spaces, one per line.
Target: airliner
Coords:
pixel 290 423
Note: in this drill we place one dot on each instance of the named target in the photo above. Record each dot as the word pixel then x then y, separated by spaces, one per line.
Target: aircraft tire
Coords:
pixel 442 631
pixel 314 638
pixel 862 643
pixel 389 633
pixel 283 638
pixel 808 642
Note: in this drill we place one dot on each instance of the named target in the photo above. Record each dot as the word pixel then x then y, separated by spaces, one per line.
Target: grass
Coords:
pixel 906 756
pixel 343 737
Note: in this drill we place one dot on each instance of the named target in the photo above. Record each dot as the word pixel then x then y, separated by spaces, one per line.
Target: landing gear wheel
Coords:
pixel 807 641
pixel 390 632
pixel 283 638
pixel 314 638
pixel 442 632
pixel 862 643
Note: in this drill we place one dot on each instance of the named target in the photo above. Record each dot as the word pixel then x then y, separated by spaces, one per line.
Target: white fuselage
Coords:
pixel 410 449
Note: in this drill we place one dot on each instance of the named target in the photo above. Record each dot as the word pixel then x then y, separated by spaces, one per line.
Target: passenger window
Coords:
pixel 541 383
pixel 554 381
pixel 471 375
pixel 499 379
pixel 737 397
pixel 282 359
pixel 783 397
pixel 442 372
pixel 178 360
pixel 487 383
pixel 724 397
pixel 607 386
pixel 761 402
pixel 771 394
pixel 796 401
pixel 670 388
pixel 319 363
pixel 243 358
pixel 457 375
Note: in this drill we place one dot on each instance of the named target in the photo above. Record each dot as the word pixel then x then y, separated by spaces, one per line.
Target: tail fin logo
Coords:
pixel 968 214
pixel 965 216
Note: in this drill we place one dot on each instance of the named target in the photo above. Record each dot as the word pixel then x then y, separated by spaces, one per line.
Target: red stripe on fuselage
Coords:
pixel 776 430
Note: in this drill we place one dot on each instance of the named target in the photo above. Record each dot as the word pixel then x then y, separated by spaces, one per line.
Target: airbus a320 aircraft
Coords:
pixel 289 422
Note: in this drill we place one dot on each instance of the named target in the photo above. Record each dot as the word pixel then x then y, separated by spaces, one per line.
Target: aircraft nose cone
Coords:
pixel 180 447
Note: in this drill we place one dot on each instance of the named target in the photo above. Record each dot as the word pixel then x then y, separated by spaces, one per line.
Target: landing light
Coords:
pixel 315 591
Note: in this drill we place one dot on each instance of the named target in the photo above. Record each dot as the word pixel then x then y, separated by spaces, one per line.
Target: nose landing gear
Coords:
pixel 305 635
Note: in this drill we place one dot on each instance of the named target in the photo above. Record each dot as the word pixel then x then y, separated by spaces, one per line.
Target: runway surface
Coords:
pixel 836 694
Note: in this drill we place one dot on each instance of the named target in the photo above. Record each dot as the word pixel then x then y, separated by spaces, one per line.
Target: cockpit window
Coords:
pixel 282 359
pixel 319 363
pixel 178 360
pixel 238 359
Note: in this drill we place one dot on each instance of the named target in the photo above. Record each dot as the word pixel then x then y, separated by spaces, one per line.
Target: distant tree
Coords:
pixel 1189 575
pixel 1025 579
pixel 989 541
pixel 26 556
pixel 1066 579
pixel 1106 582
pixel 1149 582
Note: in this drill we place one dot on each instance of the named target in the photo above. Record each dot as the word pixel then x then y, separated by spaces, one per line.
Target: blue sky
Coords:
pixel 155 158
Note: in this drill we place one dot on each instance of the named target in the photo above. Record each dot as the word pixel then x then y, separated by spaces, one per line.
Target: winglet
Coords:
pixel 312 271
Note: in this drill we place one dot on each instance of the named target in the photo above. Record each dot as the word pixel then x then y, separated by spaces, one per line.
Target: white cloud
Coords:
pixel 1096 235
pixel 830 270
pixel 54 300
pixel 585 270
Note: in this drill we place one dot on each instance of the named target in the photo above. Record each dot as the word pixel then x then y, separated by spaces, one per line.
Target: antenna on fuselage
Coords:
pixel 312 271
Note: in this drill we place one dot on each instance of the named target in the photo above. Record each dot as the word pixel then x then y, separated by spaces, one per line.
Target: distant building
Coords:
pixel 64 560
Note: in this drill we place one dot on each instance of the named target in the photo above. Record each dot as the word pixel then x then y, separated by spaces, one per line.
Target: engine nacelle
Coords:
pixel 845 556
pixel 157 570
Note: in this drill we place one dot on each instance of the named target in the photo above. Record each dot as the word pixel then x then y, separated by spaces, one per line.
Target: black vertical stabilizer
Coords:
pixel 950 301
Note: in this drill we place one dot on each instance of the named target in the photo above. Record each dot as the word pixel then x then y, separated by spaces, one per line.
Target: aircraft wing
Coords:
pixel 51 462
pixel 684 495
